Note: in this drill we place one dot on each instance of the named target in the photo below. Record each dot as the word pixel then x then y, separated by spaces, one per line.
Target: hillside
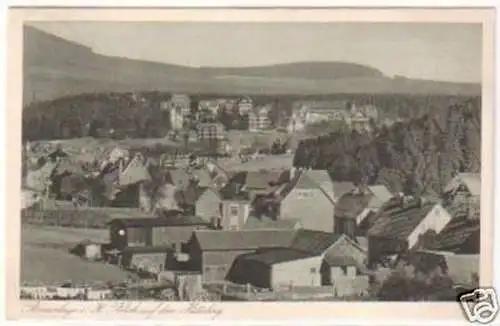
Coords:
pixel 419 156
pixel 54 67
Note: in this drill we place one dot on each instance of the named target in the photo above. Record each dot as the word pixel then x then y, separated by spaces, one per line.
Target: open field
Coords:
pixel 45 258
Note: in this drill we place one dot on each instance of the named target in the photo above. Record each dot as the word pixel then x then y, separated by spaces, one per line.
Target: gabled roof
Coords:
pixel 178 177
pixel 455 234
pixel 267 223
pixel 471 180
pixel 274 256
pixel 335 260
pixel 243 239
pixel 400 223
pixel 380 195
pixel 136 171
pixel 351 205
pixel 313 242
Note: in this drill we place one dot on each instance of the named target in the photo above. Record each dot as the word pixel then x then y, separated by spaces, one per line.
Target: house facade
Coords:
pixel 294 202
pixel 245 106
pixel 258 119
pixel 212 131
pixel 212 253
pixel 462 195
pixel 179 107
pixel 208 206
pixel 400 229
pixel 234 213
pixel 312 259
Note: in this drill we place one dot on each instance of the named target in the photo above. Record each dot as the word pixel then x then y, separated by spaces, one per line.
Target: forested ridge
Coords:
pixel 67 116
pixel 418 156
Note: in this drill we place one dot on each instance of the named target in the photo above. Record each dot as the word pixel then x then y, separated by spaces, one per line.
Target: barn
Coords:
pixel 213 252
pixel 154 231
pixel 313 258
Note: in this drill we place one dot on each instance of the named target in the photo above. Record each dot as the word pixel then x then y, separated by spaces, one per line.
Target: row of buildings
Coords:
pixel 271 228
pixel 308 241
pixel 302 113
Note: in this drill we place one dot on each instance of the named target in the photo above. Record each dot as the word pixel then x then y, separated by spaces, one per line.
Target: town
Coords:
pixel 223 208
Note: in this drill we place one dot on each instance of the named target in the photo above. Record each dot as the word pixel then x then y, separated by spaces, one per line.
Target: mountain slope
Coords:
pixel 55 67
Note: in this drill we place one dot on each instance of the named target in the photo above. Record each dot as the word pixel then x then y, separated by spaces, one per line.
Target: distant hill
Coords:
pixel 55 67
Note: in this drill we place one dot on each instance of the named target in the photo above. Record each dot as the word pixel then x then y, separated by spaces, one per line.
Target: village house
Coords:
pixel 212 131
pixel 245 106
pixel 319 111
pixel 250 183
pixel 258 118
pixel 311 259
pixel 459 237
pixel 462 195
pixel 235 211
pixel 203 202
pixel 293 199
pixel 128 188
pixel 211 106
pixel 170 228
pixel 265 222
pixel 401 228
pixel 179 107
pixel 356 210
pixel 212 253
pixel 298 119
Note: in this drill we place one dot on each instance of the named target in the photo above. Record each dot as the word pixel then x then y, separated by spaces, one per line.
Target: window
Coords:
pixel 313 270
pixel 233 210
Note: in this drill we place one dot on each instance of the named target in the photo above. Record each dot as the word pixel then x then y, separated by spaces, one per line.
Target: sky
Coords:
pixel 440 51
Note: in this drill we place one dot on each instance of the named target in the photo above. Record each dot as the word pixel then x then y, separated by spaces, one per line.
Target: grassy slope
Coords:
pixel 45 258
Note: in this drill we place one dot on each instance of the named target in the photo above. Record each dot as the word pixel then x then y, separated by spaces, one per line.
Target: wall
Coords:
pixel 243 210
pixel 301 272
pixel 435 220
pixel 172 234
pixel 140 236
pixel 349 286
pixel 344 247
pixel 208 206
pixel 220 263
pixel 249 271
pixel 295 206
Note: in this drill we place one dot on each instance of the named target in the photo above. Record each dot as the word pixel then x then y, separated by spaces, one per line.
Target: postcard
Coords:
pixel 226 164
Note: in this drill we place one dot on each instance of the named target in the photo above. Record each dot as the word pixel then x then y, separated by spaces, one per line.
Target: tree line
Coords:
pixel 88 114
pixel 418 156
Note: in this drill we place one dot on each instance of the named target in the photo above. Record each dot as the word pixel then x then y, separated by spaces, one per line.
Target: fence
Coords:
pixel 77 217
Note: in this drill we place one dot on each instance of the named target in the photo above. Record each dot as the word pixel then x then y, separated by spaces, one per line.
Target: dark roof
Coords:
pixel 254 222
pixel 351 205
pixel 146 250
pixel 178 220
pixel 313 242
pixel 192 193
pixel 455 234
pixel 274 256
pixel 254 179
pixel 398 223
pixel 337 260
pixel 211 240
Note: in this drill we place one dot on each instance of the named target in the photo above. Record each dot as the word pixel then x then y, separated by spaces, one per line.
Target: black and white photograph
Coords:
pixel 192 161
